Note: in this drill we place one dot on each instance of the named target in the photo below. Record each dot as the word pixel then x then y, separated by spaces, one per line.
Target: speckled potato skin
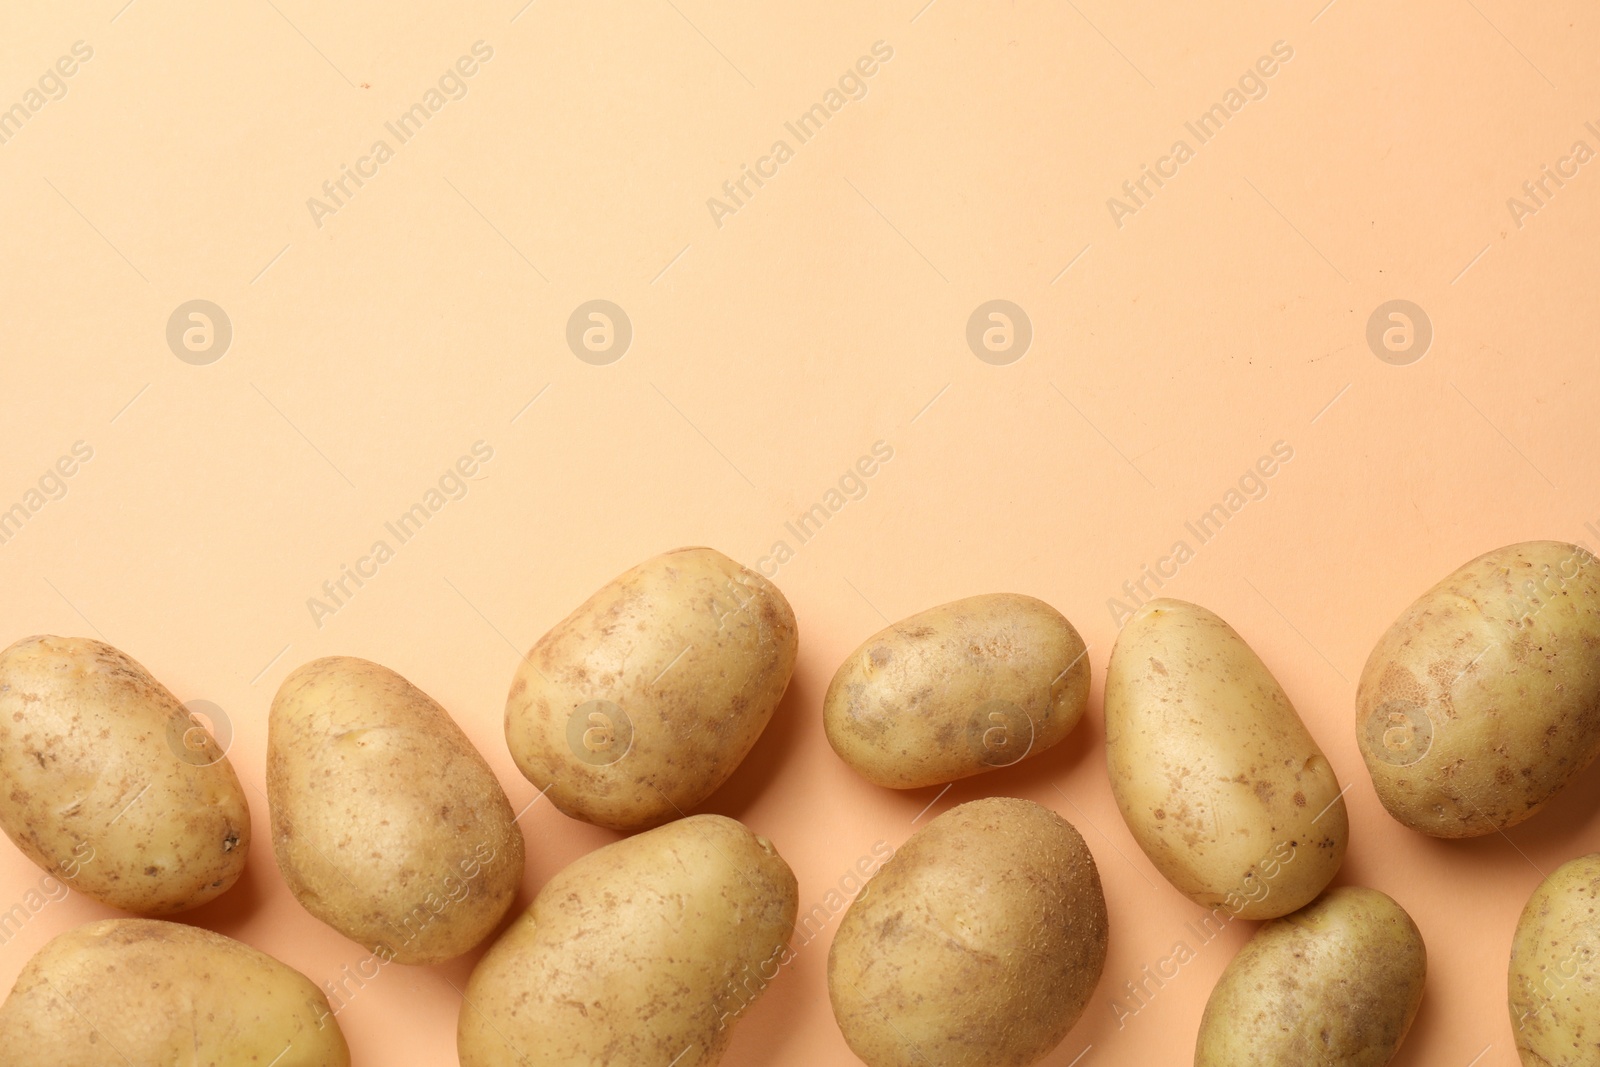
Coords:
pixel 696 651
pixel 97 788
pixel 1215 774
pixel 1554 978
pixel 1337 982
pixel 1483 699
pixel 640 954
pixel 387 824
pixel 142 991
pixel 929 699
pixel 977 945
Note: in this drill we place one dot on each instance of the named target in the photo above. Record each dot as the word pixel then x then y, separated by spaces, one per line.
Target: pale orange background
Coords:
pixel 769 353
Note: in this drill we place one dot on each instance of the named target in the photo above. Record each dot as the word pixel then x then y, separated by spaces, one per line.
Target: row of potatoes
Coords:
pixel 978 942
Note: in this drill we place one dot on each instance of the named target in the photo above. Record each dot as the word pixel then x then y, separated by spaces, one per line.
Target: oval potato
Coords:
pixel 639 704
pixel 957 690
pixel 387 824
pixel 1553 982
pixel 111 786
pixel 142 991
pixel 639 954
pixel 977 944
pixel 1338 981
pixel 1213 771
pixel 1482 700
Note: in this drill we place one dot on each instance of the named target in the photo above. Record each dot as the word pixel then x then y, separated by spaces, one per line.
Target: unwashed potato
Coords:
pixel 639 704
pixel 1554 979
pixel 142 992
pixel 977 945
pixel 957 690
pixel 1483 699
pixel 110 784
pixel 1214 772
pixel 388 825
pixel 1337 982
pixel 640 954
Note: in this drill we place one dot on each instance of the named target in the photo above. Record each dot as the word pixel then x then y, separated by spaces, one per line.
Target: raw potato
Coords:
pixel 1213 770
pixel 640 954
pixel 1337 982
pixel 977 945
pixel 638 705
pixel 388 825
pixel 1483 699
pixel 110 784
pixel 1554 979
pixel 957 690
pixel 139 991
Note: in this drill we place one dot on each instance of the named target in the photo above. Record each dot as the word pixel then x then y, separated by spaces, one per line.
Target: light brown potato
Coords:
pixel 957 690
pixel 978 944
pixel 1337 982
pixel 140 991
pixel 640 954
pixel 639 704
pixel 110 785
pixel 1215 774
pixel 387 824
pixel 1483 699
pixel 1554 978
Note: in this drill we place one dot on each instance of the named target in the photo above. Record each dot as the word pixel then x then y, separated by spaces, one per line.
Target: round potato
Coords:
pixel 140 991
pixel 1213 770
pixel 110 784
pixel 1483 699
pixel 977 944
pixel 640 954
pixel 1554 979
pixel 387 824
pixel 638 705
pixel 1338 981
pixel 957 690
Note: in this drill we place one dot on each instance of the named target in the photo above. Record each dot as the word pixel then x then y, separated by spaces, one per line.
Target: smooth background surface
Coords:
pixel 827 314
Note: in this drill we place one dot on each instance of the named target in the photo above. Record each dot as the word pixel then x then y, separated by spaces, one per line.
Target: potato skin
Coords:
pixel 100 789
pixel 977 945
pixel 1338 981
pixel 387 824
pixel 638 953
pixel 957 690
pixel 695 651
pixel 142 991
pixel 1482 700
pixel 1553 981
pixel 1213 771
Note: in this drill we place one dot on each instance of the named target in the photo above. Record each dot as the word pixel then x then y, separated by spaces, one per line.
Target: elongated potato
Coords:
pixel 110 785
pixel 1213 770
pixel 957 690
pixel 387 824
pixel 1483 699
pixel 144 992
pixel 640 954
pixel 1337 982
pixel 1554 978
pixel 977 944
pixel 639 704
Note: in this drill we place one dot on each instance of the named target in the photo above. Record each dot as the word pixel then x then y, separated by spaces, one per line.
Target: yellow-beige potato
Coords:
pixel 957 690
pixel 1337 982
pixel 387 824
pixel 640 954
pixel 978 944
pixel 639 704
pixel 1215 774
pixel 1483 699
pixel 110 784
pixel 1554 978
pixel 140 991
